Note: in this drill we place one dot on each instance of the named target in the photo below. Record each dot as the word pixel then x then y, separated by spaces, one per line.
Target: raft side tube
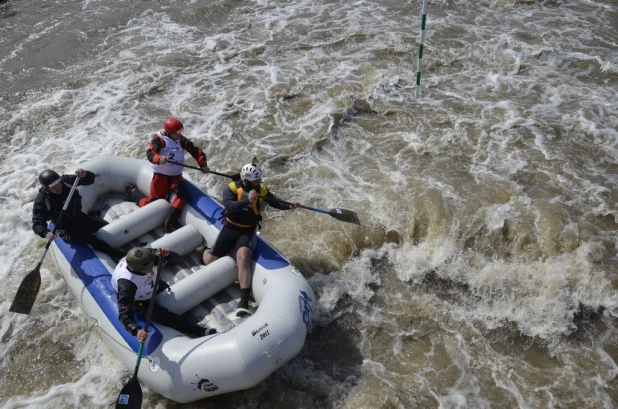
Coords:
pixel 200 285
pixel 235 360
pixel 133 225
pixel 112 173
pixel 181 241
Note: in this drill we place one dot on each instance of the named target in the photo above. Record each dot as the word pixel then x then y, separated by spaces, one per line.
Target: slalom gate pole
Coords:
pixel 420 49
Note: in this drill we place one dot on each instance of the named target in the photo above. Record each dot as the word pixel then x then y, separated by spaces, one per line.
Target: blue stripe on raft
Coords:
pixel 264 255
pixel 97 280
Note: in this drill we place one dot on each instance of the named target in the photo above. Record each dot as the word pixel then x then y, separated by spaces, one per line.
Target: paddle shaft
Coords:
pixel 130 396
pixel 148 316
pixel 31 284
pixel 290 204
pixel 38 265
pixel 343 215
pixel 315 209
pixel 64 208
pixel 198 168
pixel 339 214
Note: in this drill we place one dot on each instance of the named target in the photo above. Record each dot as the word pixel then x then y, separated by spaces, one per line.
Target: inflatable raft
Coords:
pixel 246 350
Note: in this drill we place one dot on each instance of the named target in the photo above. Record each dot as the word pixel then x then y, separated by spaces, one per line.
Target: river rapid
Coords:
pixel 484 272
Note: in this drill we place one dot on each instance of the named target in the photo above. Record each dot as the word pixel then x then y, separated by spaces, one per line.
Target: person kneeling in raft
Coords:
pixel 133 280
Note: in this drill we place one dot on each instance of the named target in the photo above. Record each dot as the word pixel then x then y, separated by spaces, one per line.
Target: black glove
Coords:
pixel 204 169
pixel 63 235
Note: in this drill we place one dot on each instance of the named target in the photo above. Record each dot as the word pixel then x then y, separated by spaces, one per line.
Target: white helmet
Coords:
pixel 250 172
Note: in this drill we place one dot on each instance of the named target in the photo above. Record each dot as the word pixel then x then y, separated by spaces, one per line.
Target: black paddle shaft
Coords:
pixel 233 177
pixel 31 284
pixel 343 215
pixel 130 396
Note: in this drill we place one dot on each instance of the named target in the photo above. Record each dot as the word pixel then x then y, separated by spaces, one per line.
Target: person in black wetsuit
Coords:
pixel 75 226
pixel 243 200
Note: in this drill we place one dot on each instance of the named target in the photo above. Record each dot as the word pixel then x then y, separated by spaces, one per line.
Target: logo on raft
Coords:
pixel 304 302
pixel 256 331
pixel 205 385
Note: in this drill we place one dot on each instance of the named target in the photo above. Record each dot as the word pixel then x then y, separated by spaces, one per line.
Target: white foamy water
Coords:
pixel 484 272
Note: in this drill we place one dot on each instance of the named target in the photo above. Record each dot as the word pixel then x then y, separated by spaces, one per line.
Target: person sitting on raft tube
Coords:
pixel 75 226
pixel 168 145
pixel 243 201
pixel 133 280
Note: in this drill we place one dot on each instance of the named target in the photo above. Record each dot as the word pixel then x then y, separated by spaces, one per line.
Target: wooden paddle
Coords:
pixel 131 394
pixel 343 215
pixel 31 284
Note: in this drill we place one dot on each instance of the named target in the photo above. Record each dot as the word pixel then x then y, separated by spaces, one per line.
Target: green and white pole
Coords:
pixel 420 50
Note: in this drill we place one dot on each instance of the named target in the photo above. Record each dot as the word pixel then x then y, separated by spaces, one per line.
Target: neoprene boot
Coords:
pixel 171 222
pixel 132 193
pixel 243 305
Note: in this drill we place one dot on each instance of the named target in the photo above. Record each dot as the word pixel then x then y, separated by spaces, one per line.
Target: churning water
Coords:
pixel 484 274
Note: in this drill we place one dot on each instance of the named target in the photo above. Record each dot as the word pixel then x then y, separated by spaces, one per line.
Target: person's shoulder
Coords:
pixel 41 195
pixel 38 201
pixel 229 191
pixel 124 284
pixel 157 141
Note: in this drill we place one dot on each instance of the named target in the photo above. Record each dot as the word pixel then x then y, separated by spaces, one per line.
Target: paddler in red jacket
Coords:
pixel 168 145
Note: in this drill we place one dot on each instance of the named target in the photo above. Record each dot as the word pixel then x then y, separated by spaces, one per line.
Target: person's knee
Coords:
pixel 243 256
pixel 179 203
pixel 207 257
pixel 182 190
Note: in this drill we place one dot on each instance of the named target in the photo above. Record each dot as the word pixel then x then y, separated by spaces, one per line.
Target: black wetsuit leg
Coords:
pixel 86 231
pixel 169 319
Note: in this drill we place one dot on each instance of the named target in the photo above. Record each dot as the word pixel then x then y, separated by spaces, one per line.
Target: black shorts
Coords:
pixel 233 238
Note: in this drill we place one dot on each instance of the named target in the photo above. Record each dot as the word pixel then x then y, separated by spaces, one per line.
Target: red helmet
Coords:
pixel 172 125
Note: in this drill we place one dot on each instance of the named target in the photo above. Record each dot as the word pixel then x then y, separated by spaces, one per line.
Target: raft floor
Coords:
pixel 215 312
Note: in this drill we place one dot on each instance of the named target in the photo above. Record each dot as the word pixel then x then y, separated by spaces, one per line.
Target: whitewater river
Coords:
pixel 484 274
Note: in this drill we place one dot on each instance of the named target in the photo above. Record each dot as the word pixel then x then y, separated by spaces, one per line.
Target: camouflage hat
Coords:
pixel 141 259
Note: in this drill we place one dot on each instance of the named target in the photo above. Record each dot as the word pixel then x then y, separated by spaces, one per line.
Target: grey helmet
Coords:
pixel 141 259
